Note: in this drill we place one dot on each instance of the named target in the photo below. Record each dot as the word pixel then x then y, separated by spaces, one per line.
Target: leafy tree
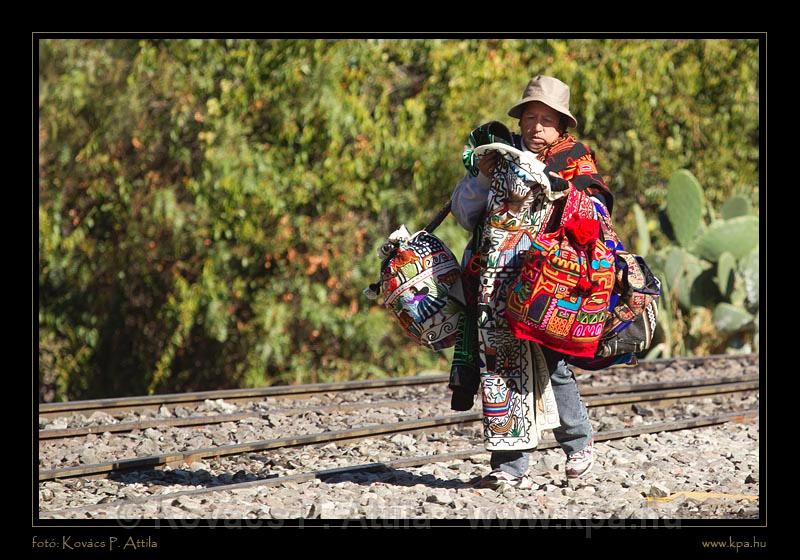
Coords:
pixel 209 209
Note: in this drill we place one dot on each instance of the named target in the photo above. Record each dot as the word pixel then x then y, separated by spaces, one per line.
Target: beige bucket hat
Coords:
pixel 552 92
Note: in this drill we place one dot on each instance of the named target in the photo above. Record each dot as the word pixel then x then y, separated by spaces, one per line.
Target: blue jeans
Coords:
pixel 575 431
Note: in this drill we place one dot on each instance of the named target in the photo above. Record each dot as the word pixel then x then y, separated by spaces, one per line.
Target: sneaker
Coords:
pixel 580 462
pixel 497 480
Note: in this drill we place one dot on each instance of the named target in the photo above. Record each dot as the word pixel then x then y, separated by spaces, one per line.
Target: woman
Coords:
pixel 506 200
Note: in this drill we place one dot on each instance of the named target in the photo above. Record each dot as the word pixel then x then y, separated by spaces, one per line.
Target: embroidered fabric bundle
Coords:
pixel 421 282
pixel 516 392
pixel 561 297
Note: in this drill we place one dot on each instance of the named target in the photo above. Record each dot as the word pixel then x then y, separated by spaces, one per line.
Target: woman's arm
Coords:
pixel 469 200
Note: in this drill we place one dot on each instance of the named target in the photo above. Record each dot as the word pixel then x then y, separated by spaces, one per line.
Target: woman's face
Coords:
pixel 539 125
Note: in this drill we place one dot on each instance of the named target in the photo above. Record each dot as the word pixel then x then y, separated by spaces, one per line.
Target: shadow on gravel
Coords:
pixel 203 478
pixel 187 477
pixel 398 477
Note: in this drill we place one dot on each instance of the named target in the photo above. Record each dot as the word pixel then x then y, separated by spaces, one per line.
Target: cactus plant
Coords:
pixel 673 263
pixel 643 234
pixel 685 203
pixel 748 268
pixel 736 206
pixel 729 318
pixel 737 236
pixel 726 266
pixel 713 267
pixel 682 270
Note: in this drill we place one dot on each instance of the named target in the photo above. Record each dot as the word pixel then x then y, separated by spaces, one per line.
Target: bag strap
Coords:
pixel 439 217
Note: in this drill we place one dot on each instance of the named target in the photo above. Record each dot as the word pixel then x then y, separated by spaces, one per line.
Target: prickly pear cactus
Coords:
pixel 685 203
pixel 711 267
pixel 736 206
pixel 726 267
pixel 737 236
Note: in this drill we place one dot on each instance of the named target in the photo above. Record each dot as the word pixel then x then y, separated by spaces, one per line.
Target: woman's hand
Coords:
pixel 488 162
pixel 557 182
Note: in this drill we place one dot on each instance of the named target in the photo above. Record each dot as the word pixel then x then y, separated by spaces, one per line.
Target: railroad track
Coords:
pixel 663 392
pixel 327 474
pixel 155 402
pixel 325 455
pixel 593 396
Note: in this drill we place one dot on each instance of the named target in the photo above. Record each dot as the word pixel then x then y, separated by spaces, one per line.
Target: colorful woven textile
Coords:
pixel 574 162
pixel 517 396
pixel 421 282
pixel 561 297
